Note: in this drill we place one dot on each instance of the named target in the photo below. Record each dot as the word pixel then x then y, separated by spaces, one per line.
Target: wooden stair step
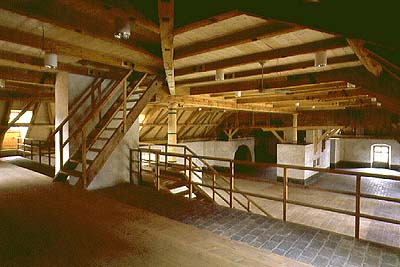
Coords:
pixel 176 184
pixel 95 149
pixel 77 161
pixel 72 173
pixel 185 192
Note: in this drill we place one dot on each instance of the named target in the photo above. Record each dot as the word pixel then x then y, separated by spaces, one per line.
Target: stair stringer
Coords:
pixel 118 135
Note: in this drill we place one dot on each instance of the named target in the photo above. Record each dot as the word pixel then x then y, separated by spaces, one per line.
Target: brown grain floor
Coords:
pixel 47 224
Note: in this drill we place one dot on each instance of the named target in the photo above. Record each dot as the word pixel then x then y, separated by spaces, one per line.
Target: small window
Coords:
pixel 380 156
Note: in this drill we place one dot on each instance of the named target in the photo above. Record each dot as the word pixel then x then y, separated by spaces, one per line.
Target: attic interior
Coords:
pixel 252 133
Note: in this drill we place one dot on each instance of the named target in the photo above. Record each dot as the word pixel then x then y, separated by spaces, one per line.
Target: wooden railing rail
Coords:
pixel 40 148
pixel 286 184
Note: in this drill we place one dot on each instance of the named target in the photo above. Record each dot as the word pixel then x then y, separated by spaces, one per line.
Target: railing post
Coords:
pixel 31 149
pixel 158 185
pixel 184 159
pixel 61 141
pixel 140 168
pixel 124 107
pixel 248 205
pixel 84 157
pixel 190 178
pixel 232 183
pixel 49 152
pixel 40 152
pixel 358 207
pixel 130 166
pixel 166 156
pixel 149 156
pixel 285 193
pixel 24 143
pixel 213 187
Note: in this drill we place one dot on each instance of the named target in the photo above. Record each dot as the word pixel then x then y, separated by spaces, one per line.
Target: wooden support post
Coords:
pixel 213 187
pixel 149 156
pixel 61 143
pixel 158 184
pixel 130 166
pixel 166 157
pixel 315 141
pixel 40 152
pixel 124 85
pixel 140 168
pixel 184 161
pixel 190 178
pixel 172 129
pixel 99 99
pixel 358 207
pixel 232 184
pixel 49 152
pixel 248 205
pixel 31 149
pixel 294 128
pixel 84 167
pixel 285 193
pixel 23 153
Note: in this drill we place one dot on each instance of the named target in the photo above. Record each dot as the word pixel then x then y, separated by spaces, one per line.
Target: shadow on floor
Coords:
pixel 29 164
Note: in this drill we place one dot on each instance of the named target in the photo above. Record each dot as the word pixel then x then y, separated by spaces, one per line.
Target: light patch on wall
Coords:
pixel 25 118
pixel 141 119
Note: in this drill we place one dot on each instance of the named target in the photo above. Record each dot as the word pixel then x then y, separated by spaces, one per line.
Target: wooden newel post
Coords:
pixel 358 207
pixel 84 157
pixel 232 183
pixel 190 178
pixel 40 152
pixel 213 187
pixel 61 141
pixel 248 205
pixel 140 168
pixel 158 185
pixel 49 152
pixel 285 193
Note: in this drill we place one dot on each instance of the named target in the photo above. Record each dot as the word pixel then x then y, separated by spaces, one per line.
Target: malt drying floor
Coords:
pixel 49 224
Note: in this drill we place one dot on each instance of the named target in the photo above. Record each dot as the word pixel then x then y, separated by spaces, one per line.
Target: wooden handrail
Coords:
pixel 99 106
pixel 77 105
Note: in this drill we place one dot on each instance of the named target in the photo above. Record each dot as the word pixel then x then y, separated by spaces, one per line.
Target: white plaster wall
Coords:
pixel 116 169
pixel 359 150
pixel 220 149
pixel 291 154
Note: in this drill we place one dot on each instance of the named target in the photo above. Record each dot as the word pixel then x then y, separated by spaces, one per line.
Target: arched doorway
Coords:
pixel 380 156
pixel 243 153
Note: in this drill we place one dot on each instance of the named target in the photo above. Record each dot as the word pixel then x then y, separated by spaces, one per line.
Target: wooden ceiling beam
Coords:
pixel 369 63
pixel 266 30
pixel 20 61
pixel 274 83
pixel 308 95
pixel 268 70
pixel 91 18
pixel 311 47
pixel 208 21
pixel 166 18
pixel 62 48
pixel 222 104
pixel 27 76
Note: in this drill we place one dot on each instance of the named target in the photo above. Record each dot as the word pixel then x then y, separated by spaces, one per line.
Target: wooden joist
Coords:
pixel 311 47
pixel 166 19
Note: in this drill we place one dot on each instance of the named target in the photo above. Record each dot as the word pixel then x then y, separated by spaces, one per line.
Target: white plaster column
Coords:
pixel 172 129
pixel 61 112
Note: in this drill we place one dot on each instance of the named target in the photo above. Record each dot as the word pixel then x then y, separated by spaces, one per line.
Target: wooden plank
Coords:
pixel 315 78
pixel 208 21
pixel 221 104
pixel 369 63
pixel 306 48
pixel 166 19
pixel 63 48
pixel 272 69
pixel 240 37
pixel 277 136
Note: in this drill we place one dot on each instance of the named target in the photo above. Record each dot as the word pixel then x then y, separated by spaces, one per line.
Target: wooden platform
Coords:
pixel 50 224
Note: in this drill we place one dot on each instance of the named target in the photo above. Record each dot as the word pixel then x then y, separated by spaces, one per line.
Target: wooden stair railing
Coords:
pixel 90 167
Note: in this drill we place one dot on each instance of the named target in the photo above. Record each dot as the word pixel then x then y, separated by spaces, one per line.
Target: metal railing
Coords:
pixel 154 158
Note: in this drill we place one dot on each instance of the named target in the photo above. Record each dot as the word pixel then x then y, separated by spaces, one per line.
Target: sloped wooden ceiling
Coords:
pixel 247 40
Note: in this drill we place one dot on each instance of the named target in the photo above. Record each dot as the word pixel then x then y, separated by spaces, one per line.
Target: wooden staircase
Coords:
pixel 125 103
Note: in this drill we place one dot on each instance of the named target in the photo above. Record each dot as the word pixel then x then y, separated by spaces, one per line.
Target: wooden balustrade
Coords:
pixel 232 190
pixel 39 148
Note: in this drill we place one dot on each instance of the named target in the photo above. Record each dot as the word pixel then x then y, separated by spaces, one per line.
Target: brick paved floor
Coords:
pixel 302 243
